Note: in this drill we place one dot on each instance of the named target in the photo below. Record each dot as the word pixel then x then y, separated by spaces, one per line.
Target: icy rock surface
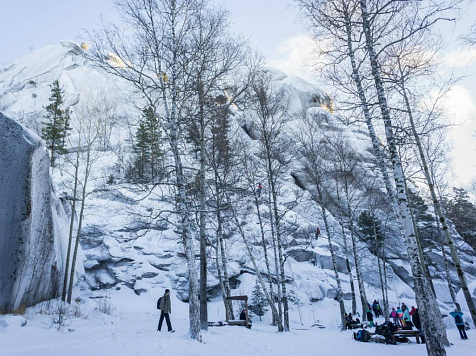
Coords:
pixel 32 220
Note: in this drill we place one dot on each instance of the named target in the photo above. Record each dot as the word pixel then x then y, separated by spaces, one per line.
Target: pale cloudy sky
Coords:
pixel 272 27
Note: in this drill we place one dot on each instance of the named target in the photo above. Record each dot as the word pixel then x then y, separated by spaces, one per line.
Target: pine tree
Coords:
pixel 258 301
pixel 57 126
pixel 147 146
pixel 367 223
pixel 462 212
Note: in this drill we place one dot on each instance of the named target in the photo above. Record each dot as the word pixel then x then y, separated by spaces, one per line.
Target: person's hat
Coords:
pixel 167 290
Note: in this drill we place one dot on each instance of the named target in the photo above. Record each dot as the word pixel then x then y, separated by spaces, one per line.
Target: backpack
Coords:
pixel 458 319
pixel 158 303
pixel 362 335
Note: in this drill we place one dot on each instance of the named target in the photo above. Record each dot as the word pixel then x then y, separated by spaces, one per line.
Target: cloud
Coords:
pixel 461 111
pixel 294 56
pixel 462 58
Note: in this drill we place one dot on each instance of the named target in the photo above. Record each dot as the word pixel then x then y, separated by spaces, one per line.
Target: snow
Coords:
pixel 131 330
pixel 142 258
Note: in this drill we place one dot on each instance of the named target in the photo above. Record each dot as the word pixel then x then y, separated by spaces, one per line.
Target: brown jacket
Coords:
pixel 165 304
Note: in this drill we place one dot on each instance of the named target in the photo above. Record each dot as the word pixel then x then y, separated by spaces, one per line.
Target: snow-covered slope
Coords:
pixel 125 249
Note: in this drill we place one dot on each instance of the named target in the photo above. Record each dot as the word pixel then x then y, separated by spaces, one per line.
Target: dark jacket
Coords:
pixel 416 319
pixel 165 304
pixel 370 316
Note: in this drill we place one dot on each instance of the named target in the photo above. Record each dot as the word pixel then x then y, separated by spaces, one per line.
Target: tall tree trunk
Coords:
pixel 360 279
pixel 203 239
pixel 280 253
pixel 387 312
pixel 349 270
pixel 382 284
pixel 437 205
pixel 340 294
pixel 265 249
pixel 430 313
pixel 71 224
pixel 277 265
pixel 347 253
pixel 274 311
pixel 80 223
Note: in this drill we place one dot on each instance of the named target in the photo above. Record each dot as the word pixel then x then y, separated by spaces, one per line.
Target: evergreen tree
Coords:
pixel 258 301
pixel 56 126
pixel 462 212
pixel 424 220
pixel 147 146
pixel 370 226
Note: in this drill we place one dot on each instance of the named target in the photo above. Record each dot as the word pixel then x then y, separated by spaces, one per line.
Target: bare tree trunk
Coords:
pixel 340 294
pixel 203 239
pixel 382 284
pixel 281 255
pixel 71 224
pixel 430 313
pixel 347 253
pixel 265 249
pixel 258 274
pixel 437 205
pixel 387 312
pixel 80 222
pixel 277 265
pixel 349 270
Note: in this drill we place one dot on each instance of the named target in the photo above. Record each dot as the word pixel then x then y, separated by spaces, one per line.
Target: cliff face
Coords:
pixel 126 249
pixel 32 220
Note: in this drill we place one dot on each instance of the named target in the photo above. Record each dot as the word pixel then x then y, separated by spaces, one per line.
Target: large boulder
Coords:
pixel 33 224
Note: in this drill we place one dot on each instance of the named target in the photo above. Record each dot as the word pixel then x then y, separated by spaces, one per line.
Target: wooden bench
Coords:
pixel 405 333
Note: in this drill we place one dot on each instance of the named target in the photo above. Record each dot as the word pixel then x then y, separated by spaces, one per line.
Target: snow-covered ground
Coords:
pixel 131 330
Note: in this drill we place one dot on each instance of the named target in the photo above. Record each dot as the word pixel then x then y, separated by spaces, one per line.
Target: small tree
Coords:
pixel 463 215
pixel 258 301
pixel 56 126
pixel 147 146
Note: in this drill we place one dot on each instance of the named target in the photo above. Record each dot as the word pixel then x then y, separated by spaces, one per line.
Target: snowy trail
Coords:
pixel 134 334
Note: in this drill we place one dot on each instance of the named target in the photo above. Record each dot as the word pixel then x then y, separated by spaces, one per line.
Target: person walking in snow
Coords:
pixel 165 306
pixel 459 323
pixel 318 232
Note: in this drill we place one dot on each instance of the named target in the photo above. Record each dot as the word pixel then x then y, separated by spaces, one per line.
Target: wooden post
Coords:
pixel 246 313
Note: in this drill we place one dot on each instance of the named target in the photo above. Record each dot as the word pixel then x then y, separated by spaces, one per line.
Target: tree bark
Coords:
pixel 437 205
pixel 426 301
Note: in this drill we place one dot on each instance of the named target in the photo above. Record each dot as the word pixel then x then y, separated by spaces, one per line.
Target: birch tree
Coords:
pixel 155 57
pixel 313 154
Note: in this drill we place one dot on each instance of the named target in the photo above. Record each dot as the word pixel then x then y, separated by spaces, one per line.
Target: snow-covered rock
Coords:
pixel 33 225
pixel 146 255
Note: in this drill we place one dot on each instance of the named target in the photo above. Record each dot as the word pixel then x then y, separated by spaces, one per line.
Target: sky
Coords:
pixel 274 28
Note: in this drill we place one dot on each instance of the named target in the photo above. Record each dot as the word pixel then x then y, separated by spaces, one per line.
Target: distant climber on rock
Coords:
pixel 258 190
pixel 165 306
pixel 318 232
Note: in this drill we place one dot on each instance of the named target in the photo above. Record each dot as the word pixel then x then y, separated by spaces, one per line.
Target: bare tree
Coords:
pixel 270 106
pixel 315 169
pixel 88 123
pixel 155 57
